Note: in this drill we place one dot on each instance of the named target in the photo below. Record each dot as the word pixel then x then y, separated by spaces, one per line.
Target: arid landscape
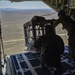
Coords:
pixel 12 21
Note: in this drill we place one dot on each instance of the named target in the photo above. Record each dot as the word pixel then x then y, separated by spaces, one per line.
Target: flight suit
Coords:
pixel 53 48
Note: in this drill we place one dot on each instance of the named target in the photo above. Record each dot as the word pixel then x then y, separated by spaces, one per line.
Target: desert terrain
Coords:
pixel 12 21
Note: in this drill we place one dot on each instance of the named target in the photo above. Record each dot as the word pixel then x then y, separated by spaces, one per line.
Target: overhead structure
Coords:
pixel 67 5
pixel 22 0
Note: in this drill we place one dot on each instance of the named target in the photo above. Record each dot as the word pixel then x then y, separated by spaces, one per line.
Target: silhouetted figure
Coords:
pixel 68 24
pixel 53 47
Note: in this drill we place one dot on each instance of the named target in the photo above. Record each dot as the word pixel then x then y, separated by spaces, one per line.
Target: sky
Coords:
pixel 24 5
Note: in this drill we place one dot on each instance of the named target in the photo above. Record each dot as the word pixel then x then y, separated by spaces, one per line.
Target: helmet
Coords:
pixel 62 13
pixel 48 29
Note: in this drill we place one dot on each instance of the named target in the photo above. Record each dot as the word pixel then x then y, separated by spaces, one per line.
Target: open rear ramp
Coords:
pixel 29 63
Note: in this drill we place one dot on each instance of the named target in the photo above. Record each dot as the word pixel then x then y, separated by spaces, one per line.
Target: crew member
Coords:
pixel 68 24
pixel 53 47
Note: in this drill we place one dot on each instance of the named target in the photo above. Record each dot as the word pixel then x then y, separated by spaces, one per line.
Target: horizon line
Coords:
pixel 27 9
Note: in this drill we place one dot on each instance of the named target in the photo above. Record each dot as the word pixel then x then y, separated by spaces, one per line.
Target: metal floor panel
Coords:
pixel 29 64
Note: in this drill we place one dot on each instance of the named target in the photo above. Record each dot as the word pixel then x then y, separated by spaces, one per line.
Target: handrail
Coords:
pixel 72 3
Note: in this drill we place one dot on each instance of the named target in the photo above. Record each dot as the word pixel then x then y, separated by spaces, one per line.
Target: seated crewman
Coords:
pixel 53 47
